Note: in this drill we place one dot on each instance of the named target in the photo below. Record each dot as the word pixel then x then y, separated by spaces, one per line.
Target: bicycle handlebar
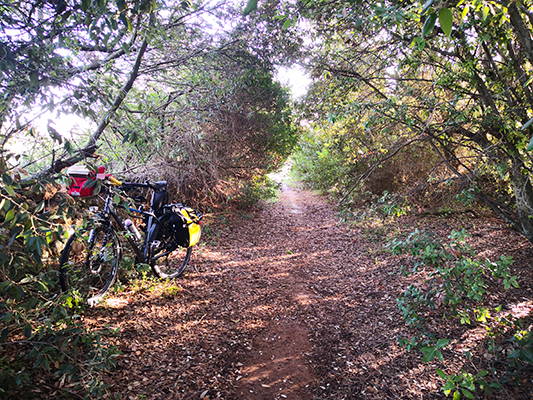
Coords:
pixel 114 181
pixel 131 185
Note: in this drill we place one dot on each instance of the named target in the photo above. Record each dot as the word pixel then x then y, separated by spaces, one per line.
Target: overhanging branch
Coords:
pixel 89 150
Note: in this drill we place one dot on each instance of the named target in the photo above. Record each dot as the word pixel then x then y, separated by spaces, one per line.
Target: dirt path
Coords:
pixel 287 304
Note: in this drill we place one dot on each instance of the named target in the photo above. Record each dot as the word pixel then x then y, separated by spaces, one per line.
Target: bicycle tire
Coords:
pixel 167 259
pixel 89 263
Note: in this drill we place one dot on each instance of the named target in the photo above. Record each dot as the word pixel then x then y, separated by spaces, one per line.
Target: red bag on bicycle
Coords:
pixel 79 175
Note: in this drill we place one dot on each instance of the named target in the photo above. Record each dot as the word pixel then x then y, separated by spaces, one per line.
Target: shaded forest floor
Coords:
pixel 290 303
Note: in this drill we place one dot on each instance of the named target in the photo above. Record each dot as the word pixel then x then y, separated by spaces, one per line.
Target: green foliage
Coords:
pixel 391 206
pixel 430 352
pixel 42 336
pixel 456 280
pixel 411 303
pixel 234 124
pixel 251 192
pixel 466 384
pixel 439 84
pixel 31 61
pixel 318 161
pixel 522 345
pixel 208 111
pixel 456 287
pixel 60 350
pixel 530 145
pixel 250 6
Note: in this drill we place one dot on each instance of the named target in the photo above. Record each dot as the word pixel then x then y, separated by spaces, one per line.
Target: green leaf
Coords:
pixel 251 6
pixel 10 215
pixel 7 179
pixel 287 24
pixel 465 11
pixel 126 21
pixel 10 191
pixel 442 374
pixel 426 7
pixel 85 4
pixel 456 395
pixel 89 183
pixel 116 199
pixel 530 145
pixel 446 21
pixel 526 125
pixel 441 343
pixel 54 134
pixel 27 331
pixel 468 394
pixel 61 6
pixel 429 24
pixel 495 385
pixel 39 207
pixel 68 147
pixel 97 187
pixel 41 287
pixel 429 353
pixel 15 233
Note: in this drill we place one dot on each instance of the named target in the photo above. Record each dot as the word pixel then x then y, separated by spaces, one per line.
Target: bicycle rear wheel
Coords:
pixel 167 259
pixel 89 263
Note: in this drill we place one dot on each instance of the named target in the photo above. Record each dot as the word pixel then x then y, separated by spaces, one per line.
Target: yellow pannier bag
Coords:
pixel 186 224
pixel 193 222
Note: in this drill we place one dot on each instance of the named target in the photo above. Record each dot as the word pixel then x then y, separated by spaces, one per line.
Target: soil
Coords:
pixel 288 302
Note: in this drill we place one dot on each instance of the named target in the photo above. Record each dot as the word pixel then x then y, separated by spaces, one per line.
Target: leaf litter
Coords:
pixel 287 305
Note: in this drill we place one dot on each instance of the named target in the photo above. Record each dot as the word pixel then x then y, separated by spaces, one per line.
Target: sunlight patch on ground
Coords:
pixel 522 310
pixel 471 338
pixel 114 302
pixel 303 299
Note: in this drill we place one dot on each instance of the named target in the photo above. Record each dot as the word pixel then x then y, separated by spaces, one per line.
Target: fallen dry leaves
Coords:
pixel 290 303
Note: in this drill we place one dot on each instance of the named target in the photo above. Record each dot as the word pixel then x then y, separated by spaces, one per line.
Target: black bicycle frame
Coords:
pixel 109 210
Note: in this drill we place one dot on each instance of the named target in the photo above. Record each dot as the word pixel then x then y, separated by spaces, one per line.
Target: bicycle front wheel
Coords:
pixel 89 263
pixel 167 259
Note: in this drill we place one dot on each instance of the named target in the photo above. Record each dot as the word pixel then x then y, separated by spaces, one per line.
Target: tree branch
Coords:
pixel 89 150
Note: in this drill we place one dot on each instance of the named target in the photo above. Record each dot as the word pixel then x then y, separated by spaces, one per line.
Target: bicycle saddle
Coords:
pixel 157 186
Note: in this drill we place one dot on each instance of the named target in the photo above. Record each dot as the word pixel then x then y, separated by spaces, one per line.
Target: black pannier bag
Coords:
pixel 185 222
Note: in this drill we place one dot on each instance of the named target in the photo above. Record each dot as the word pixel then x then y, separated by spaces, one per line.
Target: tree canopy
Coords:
pixel 452 78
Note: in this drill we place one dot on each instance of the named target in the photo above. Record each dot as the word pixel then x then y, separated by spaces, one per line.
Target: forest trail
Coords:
pixel 288 303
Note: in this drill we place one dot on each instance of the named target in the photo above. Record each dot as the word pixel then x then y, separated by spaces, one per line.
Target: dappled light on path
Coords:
pixel 291 306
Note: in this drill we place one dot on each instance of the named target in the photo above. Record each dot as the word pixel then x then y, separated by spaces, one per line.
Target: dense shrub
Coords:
pixel 42 341
pixel 455 285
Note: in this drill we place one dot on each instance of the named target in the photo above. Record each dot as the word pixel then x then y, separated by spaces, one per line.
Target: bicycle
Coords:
pixel 89 262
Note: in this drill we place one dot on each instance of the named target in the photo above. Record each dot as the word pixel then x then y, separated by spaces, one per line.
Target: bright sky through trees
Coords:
pixel 296 78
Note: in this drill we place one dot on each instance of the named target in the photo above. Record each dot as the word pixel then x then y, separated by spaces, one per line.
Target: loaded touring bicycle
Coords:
pixel 90 261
